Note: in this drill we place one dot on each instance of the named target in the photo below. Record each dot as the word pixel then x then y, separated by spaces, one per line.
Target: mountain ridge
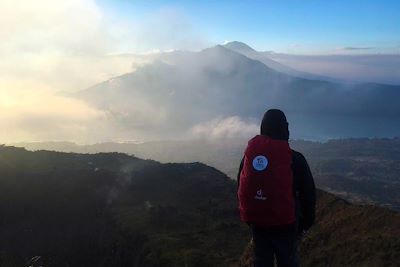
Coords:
pixel 220 83
pixel 359 170
pixel 237 45
pixel 249 52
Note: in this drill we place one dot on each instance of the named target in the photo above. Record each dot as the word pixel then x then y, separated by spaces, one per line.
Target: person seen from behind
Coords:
pixel 276 193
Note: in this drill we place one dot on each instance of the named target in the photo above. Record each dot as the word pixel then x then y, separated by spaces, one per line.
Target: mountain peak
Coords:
pixel 217 47
pixel 238 46
pixel 221 50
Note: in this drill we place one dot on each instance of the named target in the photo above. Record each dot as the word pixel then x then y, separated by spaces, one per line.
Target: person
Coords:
pixel 284 209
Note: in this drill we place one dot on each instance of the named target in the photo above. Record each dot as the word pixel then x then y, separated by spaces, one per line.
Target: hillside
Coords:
pixel 114 210
pixel 348 235
pixel 110 209
pixel 359 170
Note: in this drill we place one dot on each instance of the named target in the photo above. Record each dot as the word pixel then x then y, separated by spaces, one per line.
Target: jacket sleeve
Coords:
pixel 305 190
pixel 240 170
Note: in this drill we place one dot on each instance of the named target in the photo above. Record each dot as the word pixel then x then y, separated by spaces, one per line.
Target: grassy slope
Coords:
pixel 348 235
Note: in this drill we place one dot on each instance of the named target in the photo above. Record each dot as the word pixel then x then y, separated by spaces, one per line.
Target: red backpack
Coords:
pixel 266 183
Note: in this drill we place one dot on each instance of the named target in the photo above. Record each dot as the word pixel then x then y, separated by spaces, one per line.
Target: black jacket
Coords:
pixel 303 189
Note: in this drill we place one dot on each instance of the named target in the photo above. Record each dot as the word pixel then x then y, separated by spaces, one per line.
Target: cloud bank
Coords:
pixel 356 48
pixel 44 116
pixel 225 128
pixel 48 47
pixel 373 68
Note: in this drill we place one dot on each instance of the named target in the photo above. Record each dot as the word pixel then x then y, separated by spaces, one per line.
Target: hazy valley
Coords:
pixel 359 170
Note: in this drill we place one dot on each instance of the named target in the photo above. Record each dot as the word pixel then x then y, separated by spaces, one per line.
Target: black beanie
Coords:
pixel 274 125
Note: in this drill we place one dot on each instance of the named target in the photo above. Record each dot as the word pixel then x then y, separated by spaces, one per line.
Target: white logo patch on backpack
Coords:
pixel 260 163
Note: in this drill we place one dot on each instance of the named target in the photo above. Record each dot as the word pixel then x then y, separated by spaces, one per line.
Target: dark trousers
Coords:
pixel 280 244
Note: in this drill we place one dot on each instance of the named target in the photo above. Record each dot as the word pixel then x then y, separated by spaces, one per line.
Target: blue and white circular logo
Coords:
pixel 260 163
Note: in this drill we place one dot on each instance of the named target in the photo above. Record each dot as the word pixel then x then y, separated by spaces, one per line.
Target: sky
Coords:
pixel 300 27
pixel 49 48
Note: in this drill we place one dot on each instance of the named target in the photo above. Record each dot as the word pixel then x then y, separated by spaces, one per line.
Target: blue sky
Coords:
pixel 282 26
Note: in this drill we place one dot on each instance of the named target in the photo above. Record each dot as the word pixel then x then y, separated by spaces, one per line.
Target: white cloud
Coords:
pixel 46 47
pixel 64 44
pixel 50 46
pixel 225 128
pixel 44 116
pixel 60 44
pixel 163 30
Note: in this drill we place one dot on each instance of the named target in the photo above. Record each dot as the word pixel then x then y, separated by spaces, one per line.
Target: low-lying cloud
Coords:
pixel 225 128
pixel 43 116
pixel 48 47
pixel 356 48
pixel 376 68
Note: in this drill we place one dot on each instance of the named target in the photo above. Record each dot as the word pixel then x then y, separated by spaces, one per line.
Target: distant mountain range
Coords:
pixel 182 91
pixel 265 58
pixel 110 209
pixel 338 66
